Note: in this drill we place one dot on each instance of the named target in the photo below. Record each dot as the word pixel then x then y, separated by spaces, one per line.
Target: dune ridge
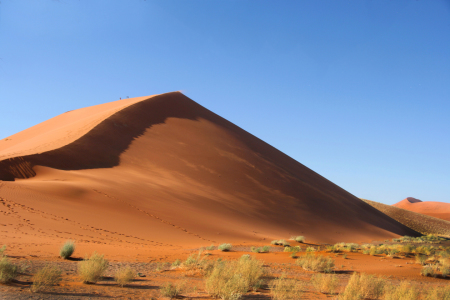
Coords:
pixel 163 172
pixel 435 209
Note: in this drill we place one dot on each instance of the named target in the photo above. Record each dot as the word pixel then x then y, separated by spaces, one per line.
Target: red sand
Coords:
pixel 150 175
pixel 439 210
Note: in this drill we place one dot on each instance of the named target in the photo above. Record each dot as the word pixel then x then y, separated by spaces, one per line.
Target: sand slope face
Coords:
pixel 439 210
pixel 164 172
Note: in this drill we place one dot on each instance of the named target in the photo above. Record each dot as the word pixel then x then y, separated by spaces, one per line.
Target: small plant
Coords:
pixel 172 290
pixel 283 243
pixel 421 259
pixel 284 288
pixel 274 242
pixel 428 270
pixel 363 286
pixel 310 249
pixel 265 249
pixel 67 249
pixel 212 247
pixel 8 271
pixel 176 263
pixel 92 269
pixel 124 275
pixel 46 277
pixel 225 247
pixel 405 291
pixel 325 283
pixel 298 239
pixel 441 293
pixel 2 251
pixel 316 263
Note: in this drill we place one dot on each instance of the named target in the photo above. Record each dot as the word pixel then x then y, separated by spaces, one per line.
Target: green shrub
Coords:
pixel 229 280
pixel 325 283
pixel 46 277
pixel 404 291
pixel 8 271
pixel 92 269
pixel 67 249
pixel 172 290
pixel 316 263
pixel 225 247
pixel 124 275
pixel 286 289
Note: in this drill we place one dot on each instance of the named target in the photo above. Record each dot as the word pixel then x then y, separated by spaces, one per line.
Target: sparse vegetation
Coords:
pixel 298 239
pixel 325 283
pixel 176 263
pixel 286 288
pixel 172 290
pixel 225 247
pixel 363 286
pixel 46 277
pixel 8 271
pixel 316 263
pixel 124 275
pixel 438 293
pixel 2 250
pixel 92 269
pixel 67 249
pixel 404 291
pixel 229 280
pixel 260 249
pixel 212 247
pixel 428 270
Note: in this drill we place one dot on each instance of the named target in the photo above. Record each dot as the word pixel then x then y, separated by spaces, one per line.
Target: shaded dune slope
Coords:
pixel 420 222
pixel 165 171
pixel 435 209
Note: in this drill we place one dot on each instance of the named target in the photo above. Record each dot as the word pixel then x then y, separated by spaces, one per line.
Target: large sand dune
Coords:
pixel 439 210
pixel 160 173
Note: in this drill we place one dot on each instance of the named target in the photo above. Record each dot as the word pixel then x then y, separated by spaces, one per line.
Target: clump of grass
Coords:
pixel 316 263
pixel 92 269
pixel 310 249
pixel 421 259
pixel 46 277
pixel 435 293
pixel 212 247
pixel 2 250
pixel 67 249
pixel 286 289
pixel 225 247
pixel 229 280
pixel 124 275
pixel 260 249
pixel 363 286
pixel 428 270
pixel 298 239
pixel 404 291
pixel 325 283
pixel 283 243
pixel 292 249
pixel 176 263
pixel 8 271
pixel 172 290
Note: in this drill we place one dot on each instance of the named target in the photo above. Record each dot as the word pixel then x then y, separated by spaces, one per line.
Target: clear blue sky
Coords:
pixel 358 91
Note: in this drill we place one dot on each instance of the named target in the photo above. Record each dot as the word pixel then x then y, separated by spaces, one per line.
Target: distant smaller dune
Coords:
pixel 422 223
pixel 439 210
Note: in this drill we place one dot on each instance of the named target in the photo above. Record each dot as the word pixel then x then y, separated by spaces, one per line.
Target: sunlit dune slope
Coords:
pixel 163 171
pixel 419 222
pixel 439 210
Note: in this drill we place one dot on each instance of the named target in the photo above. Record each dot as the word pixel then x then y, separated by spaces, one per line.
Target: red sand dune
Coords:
pixel 439 210
pixel 161 173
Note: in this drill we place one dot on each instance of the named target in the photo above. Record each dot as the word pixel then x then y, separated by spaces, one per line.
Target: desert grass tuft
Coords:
pixel 363 286
pixel 428 270
pixel 212 247
pixel 46 277
pixel 124 275
pixel 2 250
pixel 172 290
pixel 286 288
pixel 225 247
pixel 325 283
pixel 91 270
pixel 298 239
pixel 404 291
pixel 8 271
pixel 420 259
pixel 67 249
pixel 316 263
pixel 229 280
pixel 438 293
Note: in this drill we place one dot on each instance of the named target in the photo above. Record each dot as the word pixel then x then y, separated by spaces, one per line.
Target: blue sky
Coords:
pixel 358 91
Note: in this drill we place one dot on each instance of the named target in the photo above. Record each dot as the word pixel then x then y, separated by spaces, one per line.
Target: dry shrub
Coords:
pixel 325 283
pixel 2 250
pixel 8 271
pixel 404 291
pixel 124 275
pixel 67 249
pixel 229 280
pixel 172 290
pixel 363 286
pixel 92 269
pixel 225 247
pixel 285 288
pixel 438 293
pixel 420 259
pixel 46 277
pixel 316 263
